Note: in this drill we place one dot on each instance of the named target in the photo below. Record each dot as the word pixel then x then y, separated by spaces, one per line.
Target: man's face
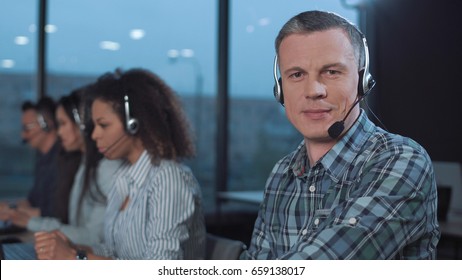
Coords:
pixel 319 74
pixel 31 130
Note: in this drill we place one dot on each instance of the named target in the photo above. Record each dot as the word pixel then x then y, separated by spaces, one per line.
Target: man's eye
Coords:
pixel 332 72
pixel 296 75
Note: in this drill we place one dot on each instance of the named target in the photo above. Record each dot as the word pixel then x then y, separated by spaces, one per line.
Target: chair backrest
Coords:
pixel 222 248
pixel 449 174
pixel 444 199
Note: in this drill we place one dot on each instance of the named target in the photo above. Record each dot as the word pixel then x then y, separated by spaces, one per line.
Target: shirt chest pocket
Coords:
pixel 319 218
pixel 322 218
pixel 327 216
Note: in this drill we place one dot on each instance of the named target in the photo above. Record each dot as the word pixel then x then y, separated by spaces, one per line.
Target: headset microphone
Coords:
pixel 110 147
pixel 337 127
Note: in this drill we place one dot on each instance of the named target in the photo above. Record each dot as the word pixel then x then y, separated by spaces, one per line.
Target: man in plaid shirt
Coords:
pixel 350 190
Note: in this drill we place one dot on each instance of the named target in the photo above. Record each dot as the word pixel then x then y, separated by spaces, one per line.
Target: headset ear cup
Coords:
pixel 43 123
pixel 365 87
pixel 366 82
pixel 361 89
pixel 278 91
pixel 132 126
pixel 281 94
pixel 45 127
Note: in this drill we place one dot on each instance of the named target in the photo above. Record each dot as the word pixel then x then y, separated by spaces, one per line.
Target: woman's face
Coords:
pixel 109 133
pixel 69 132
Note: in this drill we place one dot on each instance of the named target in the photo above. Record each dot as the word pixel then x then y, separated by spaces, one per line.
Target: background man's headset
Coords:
pixel 365 84
pixel 45 110
pixel 42 122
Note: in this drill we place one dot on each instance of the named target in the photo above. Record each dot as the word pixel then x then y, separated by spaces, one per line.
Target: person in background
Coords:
pixel 90 184
pixel 154 210
pixel 39 131
pixel 350 190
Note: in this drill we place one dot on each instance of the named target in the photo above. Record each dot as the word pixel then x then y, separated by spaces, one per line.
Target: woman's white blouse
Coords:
pixel 163 218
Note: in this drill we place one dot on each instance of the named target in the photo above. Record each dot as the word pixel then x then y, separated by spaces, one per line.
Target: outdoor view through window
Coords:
pixel 177 39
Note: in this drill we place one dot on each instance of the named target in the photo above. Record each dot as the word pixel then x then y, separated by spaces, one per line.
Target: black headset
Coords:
pixel 131 124
pixel 365 84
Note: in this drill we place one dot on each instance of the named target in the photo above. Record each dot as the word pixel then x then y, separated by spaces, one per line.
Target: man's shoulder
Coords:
pixel 394 141
pixel 385 145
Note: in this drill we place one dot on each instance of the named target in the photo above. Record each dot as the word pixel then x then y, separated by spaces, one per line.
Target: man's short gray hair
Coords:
pixel 312 21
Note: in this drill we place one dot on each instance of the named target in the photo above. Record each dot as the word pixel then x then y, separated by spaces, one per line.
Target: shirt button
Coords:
pixel 352 221
pixel 312 188
pixel 316 221
pixel 304 232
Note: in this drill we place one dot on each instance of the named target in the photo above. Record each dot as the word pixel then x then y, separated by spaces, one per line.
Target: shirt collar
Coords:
pixel 345 151
pixel 337 159
pixel 136 173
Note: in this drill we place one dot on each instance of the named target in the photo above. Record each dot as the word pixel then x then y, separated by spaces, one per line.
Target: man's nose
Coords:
pixel 314 89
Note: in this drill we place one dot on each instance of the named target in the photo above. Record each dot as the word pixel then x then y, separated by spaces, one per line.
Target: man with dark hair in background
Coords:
pixel 39 131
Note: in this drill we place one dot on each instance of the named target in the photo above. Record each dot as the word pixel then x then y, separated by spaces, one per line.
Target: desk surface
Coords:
pixel 252 197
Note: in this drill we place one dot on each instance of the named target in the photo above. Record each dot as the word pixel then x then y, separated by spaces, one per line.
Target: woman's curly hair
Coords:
pixel 162 125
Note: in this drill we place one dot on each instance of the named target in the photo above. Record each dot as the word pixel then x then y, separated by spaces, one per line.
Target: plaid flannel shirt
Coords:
pixel 372 196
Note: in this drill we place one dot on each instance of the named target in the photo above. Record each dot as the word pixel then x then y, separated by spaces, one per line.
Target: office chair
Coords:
pixel 222 248
pixel 449 175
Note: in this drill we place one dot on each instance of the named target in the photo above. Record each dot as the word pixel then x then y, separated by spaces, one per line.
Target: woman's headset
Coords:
pixel 131 124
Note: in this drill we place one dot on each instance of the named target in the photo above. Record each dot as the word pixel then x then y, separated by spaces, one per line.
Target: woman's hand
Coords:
pixel 53 245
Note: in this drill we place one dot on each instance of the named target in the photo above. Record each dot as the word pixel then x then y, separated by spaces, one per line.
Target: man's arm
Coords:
pixel 387 209
pixel 260 245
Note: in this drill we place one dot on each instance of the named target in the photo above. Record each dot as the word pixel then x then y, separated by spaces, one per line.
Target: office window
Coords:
pixel 18 61
pixel 260 133
pixel 174 39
